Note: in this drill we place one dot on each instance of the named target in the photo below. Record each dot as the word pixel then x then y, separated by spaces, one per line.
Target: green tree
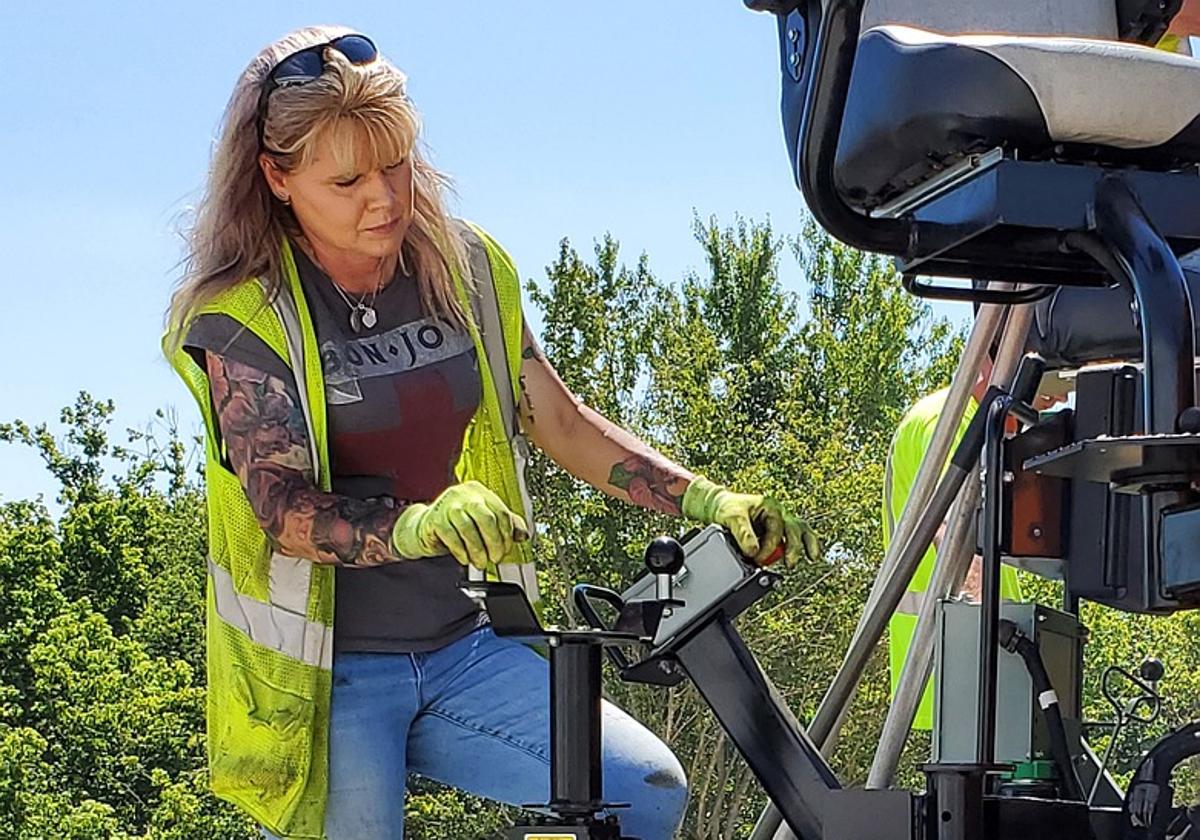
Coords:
pixel 721 373
pixel 101 621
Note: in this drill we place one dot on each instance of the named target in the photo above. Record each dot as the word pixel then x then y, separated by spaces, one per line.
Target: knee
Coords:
pixel 657 793
pixel 641 770
pixel 666 785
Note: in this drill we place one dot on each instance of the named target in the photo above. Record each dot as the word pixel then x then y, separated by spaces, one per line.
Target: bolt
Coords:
pixel 793 35
pixel 764 581
pixel 1037 533
pixel 666 666
pixel 794 59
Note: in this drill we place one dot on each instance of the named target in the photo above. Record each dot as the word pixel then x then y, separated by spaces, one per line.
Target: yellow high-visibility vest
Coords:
pixel 269 622
pixel 909 444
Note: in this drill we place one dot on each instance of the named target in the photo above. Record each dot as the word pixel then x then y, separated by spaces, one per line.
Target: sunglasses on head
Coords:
pixel 302 66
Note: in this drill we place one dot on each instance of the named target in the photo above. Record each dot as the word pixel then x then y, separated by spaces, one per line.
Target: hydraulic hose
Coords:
pixel 1014 641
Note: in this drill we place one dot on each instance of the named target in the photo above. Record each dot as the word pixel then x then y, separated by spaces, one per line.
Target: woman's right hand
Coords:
pixel 467 520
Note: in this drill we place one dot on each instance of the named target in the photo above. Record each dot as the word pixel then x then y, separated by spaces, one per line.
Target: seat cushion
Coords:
pixel 919 100
pixel 1078 326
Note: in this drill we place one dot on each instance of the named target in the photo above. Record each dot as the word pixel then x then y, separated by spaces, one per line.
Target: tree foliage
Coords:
pixel 101 641
pixel 722 373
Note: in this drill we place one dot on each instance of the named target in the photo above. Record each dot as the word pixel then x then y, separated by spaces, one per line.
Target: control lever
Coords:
pixel 664 558
pixel 760 531
pixel 1146 681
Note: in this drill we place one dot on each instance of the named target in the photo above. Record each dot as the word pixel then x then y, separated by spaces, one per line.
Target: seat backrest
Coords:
pixel 1071 18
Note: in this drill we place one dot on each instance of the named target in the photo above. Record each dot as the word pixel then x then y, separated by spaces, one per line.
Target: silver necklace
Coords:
pixel 362 314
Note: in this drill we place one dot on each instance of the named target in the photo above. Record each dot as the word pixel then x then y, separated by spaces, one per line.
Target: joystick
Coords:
pixel 1152 670
pixel 664 558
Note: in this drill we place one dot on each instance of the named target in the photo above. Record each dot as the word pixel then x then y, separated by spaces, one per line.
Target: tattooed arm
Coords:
pixel 267 442
pixel 588 445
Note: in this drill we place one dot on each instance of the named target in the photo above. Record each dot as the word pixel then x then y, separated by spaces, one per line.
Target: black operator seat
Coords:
pixel 1047 79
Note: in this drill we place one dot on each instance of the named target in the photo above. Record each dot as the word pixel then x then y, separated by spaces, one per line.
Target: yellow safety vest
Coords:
pixel 269 622
pixel 1174 43
pixel 909 444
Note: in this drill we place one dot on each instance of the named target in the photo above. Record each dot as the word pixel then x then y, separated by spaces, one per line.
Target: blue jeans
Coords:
pixel 474 715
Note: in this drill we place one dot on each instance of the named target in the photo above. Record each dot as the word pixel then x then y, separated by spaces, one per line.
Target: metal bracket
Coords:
pixel 946 180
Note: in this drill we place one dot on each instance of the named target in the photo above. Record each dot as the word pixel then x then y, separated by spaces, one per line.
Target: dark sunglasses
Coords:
pixel 302 66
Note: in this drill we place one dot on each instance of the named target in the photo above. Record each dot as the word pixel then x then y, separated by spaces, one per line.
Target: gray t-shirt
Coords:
pixel 399 397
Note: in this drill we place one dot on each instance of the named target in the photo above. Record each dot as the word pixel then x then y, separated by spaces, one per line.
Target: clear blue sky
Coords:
pixel 555 120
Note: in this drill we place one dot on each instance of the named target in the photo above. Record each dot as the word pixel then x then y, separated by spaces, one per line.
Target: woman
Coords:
pixel 327 329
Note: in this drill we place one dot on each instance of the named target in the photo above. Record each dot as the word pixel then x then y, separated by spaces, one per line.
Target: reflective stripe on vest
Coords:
pixel 282 624
pixel 489 320
pixel 910 603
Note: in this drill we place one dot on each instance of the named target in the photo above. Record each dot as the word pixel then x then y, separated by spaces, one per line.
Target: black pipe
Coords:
pixel 575 781
pixel 989 613
pixel 821 90
pixel 1014 641
pixel 1128 247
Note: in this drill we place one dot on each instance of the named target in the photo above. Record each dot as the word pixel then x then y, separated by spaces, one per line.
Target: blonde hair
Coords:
pixel 240 224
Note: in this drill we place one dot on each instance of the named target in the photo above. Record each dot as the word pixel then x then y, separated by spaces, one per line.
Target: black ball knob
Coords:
pixel 1152 670
pixel 664 556
pixel 1189 420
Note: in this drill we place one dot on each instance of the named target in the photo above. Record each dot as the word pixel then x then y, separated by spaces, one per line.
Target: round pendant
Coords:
pixel 368 317
pixel 355 320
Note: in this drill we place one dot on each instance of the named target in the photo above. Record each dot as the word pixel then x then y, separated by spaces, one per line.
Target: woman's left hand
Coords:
pixel 742 512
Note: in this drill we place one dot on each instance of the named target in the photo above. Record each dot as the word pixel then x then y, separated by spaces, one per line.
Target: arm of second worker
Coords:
pixel 267 443
pixel 1187 19
pixel 588 445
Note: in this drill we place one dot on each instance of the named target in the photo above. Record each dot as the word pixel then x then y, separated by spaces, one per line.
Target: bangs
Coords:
pixel 368 139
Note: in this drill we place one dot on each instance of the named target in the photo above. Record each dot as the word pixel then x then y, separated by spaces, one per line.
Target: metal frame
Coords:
pixel 988 224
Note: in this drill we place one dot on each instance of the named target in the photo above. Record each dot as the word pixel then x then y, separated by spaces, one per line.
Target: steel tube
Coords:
pixel 953 563
pixel 823 728
pixel 987 324
pixel 576 780
pixel 921 521
pixel 871 630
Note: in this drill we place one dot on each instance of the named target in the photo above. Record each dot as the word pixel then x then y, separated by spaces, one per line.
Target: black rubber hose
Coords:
pixel 1014 641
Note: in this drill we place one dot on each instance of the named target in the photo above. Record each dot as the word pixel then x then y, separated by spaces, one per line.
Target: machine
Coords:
pixel 1047 152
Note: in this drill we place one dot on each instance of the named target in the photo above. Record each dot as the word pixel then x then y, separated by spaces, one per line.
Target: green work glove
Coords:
pixel 467 520
pixel 740 512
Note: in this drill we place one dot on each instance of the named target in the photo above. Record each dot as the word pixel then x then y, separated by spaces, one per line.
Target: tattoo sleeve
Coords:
pixel 267 443
pixel 651 485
